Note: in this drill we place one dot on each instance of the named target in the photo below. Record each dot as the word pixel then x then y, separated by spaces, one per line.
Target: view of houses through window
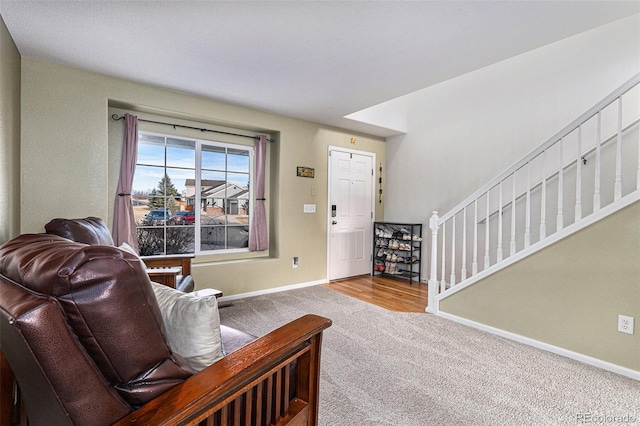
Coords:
pixel 191 196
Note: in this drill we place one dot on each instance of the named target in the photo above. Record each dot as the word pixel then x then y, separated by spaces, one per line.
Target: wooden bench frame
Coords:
pixel 181 261
pixel 272 380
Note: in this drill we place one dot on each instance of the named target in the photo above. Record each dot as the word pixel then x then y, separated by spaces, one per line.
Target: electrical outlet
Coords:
pixel 309 208
pixel 625 324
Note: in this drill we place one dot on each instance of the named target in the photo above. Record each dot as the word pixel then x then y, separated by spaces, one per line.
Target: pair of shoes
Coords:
pixel 378 266
pixel 394 244
pixel 392 269
pixel 384 232
pixel 416 238
pixel 382 243
pixel 405 247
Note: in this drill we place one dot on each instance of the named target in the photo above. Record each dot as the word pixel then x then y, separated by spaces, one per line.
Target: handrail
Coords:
pixel 506 234
pixel 565 167
pixel 628 85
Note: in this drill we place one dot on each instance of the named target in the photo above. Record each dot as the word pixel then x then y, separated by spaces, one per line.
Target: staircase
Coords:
pixel 582 174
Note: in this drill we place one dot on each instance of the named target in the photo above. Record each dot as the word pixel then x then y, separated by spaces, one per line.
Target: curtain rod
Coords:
pixel 116 118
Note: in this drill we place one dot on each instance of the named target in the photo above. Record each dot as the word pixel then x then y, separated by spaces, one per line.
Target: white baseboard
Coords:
pixel 271 290
pixel 614 368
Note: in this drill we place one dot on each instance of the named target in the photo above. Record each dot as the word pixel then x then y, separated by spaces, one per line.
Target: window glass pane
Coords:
pixel 213 157
pixel 146 179
pixel 151 153
pixel 180 239
pixel 243 208
pixel 185 217
pixel 213 184
pixel 238 160
pixel 235 216
pixel 212 238
pixel 237 237
pixel 178 180
pixel 156 203
pixel 150 241
pixel 239 179
pixel 181 153
pixel 213 211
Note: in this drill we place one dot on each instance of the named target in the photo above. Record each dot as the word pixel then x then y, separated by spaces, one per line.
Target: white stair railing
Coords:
pixel 573 179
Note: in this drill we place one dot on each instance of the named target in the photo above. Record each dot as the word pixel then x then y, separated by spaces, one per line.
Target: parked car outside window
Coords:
pixel 157 217
pixel 183 218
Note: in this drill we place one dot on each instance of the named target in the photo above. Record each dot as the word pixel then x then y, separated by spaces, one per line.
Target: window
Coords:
pixel 191 196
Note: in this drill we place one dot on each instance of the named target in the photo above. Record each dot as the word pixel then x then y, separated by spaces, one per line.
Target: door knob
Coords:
pixel 333 222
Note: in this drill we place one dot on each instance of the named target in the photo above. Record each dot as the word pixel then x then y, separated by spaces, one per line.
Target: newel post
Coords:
pixel 432 308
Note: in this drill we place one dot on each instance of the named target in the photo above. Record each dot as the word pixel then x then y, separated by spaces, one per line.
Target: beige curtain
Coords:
pixel 124 223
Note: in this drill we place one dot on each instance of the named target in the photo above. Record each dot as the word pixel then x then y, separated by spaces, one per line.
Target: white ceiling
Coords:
pixel 314 60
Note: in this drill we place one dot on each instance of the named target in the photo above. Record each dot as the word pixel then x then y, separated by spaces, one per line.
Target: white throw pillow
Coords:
pixel 192 324
pixel 126 247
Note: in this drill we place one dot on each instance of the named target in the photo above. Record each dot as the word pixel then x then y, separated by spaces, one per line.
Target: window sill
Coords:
pixel 230 257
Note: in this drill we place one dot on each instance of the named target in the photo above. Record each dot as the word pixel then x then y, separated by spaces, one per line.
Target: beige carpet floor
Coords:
pixel 387 368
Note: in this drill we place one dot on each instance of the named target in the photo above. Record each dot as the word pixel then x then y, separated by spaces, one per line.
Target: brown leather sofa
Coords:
pixel 93 231
pixel 81 332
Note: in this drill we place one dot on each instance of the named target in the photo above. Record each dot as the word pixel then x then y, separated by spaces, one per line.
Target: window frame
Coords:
pixel 197 225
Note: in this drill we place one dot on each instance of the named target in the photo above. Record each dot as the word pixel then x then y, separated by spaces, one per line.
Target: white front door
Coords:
pixel 350 213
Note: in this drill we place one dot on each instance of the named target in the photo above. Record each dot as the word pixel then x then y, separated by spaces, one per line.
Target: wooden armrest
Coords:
pixel 181 260
pixel 236 386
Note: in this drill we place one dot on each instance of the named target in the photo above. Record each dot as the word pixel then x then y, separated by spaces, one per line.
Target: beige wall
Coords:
pixel 569 295
pixel 9 136
pixel 70 168
pixel 467 130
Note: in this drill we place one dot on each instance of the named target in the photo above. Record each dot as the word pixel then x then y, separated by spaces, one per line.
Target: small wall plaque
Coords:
pixel 306 172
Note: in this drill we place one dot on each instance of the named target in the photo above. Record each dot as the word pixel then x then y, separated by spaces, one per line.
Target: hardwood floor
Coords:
pixel 386 292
